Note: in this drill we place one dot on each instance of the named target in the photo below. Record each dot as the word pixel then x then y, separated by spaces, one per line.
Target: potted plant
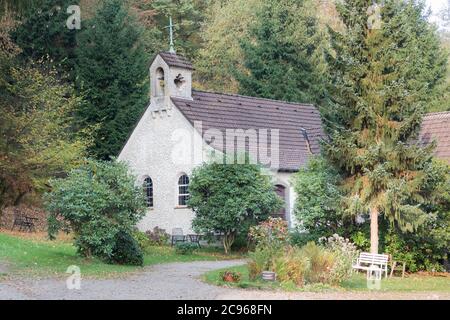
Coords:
pixel 231 276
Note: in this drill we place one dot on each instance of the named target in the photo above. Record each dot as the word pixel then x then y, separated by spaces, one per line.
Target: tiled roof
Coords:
pixel 174 60
pixel 226 111
pixel 436 126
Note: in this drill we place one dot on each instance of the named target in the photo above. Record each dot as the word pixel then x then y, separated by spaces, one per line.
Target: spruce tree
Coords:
pixel 111 71
pixel 43 33
pixel 188 17
pixel 282 55
pixel 383 75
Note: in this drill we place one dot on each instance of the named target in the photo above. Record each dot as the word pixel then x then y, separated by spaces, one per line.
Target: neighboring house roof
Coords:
pixel 174 60
pixel 436 126
pixel 227 111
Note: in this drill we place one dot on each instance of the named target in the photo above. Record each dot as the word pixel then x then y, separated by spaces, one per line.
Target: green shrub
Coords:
pixel 241 243
pixel 95 201
pixel 318 196
pixel 142 239
pixel 230 198
pixel 361 240
pixel 299 239
pixel 185 248
pixel 126 250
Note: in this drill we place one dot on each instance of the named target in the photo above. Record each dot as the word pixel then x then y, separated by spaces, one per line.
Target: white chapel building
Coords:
pixel 182 127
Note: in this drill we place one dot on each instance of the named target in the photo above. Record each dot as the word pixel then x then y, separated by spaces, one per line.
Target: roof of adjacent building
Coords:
pixel 436 126
pixel 230 111
pixel 175 60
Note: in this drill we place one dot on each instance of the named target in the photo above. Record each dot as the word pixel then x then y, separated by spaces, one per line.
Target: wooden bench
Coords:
pixel 23 222
pixel 365 260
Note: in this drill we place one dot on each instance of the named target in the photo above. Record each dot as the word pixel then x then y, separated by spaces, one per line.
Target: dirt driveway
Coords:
pixel 172 281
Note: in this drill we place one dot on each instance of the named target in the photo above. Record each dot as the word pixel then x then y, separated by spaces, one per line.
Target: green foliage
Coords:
pixel 95 201
pixel 230 198
pixel 126 250
pixel 185 248
pixel 111 73
pixel 360 240
pixel 381 83
pixel 36 124
pixel 262 259
pixel 142 240
pixel 188 17
pixel 44 33
pixel 301 238
pixel 282 54
pixel 221 54
pixel 318 199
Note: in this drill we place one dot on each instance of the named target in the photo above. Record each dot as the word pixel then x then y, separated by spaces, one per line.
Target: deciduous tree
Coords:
pixel 230 198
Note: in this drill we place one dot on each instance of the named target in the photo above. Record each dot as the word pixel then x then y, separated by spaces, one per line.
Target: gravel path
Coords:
pixel 173 281
pixel 165 281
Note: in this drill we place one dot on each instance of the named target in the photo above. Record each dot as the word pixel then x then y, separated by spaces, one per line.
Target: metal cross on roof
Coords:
pixel 170 26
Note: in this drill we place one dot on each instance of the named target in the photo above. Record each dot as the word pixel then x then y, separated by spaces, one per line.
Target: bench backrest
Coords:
pixel 177 232
pixel 372 258
pixel 18 215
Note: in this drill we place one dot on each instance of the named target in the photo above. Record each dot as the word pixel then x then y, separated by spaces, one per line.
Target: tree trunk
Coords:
pixel 374 230
pixel 228 240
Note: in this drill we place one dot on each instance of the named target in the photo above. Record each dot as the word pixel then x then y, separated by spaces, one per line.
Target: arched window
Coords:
pixel 148 191
pixel 183 190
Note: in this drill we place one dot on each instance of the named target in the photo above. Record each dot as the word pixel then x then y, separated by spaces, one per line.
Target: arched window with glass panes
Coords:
pixel 183 190
pixel 148 192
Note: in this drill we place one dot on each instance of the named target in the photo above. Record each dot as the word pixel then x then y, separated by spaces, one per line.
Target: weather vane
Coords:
pixel 170 26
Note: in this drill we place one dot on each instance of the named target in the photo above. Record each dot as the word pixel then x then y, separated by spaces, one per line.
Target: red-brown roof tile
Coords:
pixel 227 111
pixel 436 126
pixel 175 60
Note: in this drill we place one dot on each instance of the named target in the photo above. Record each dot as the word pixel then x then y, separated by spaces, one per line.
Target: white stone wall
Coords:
pixel 151 151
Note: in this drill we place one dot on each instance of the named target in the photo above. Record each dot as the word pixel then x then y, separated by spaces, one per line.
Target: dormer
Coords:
pixel 170 76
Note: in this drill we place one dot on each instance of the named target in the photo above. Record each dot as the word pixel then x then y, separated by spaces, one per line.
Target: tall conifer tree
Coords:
pixel 283 54
pixel 43 32
pixel 111 71
pixel 384 68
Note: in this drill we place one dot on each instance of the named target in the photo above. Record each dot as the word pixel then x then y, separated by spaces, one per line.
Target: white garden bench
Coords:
pixel 366 260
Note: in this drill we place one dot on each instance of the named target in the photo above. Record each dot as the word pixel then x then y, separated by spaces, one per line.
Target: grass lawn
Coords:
pixel 411 283
pixel 31 254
